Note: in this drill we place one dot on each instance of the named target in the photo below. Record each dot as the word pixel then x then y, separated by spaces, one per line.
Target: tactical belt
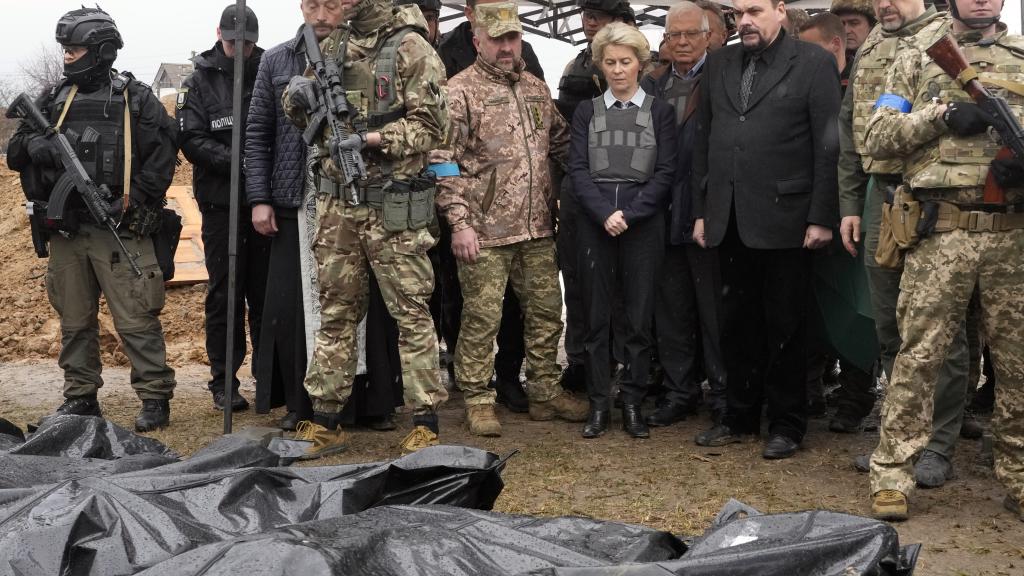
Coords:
pixel 979 217
pixel 372 195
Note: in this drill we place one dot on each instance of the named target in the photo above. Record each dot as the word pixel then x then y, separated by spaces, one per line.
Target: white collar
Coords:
pixel 637 99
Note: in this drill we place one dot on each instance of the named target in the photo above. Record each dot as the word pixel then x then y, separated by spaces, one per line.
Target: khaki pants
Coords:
pixel 78 271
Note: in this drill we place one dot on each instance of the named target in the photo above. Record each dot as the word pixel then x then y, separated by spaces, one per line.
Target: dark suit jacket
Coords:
pixel 775 163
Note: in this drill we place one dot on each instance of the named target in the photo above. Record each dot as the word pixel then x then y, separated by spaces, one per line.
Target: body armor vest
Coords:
pixel 94 125
pixel 677 92
pixel 582 81
pixel 963 162
pixel 876 57
pixel 622 145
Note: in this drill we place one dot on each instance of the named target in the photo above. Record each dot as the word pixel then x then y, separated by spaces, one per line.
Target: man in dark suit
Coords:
pixel 765 192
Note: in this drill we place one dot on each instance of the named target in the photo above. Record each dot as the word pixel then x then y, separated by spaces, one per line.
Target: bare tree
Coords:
pixel 43 70
pixel 7 125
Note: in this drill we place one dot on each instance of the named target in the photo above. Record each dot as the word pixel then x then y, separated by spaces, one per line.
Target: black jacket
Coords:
pixel 154 146
pixel 637 201
pixel 275 155
pixel 775 163
pixel 205 120
pixel 458 53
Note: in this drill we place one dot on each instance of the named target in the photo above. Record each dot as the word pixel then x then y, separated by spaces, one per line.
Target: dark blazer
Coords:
pixel 774 163
pixel 637 201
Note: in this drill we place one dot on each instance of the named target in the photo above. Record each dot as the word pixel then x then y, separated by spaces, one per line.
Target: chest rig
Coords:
pixel 622 145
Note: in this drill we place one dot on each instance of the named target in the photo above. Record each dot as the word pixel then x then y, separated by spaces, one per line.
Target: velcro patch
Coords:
pixel 180 102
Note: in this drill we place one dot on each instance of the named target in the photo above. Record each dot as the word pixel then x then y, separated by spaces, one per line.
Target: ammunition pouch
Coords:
pixel 408 205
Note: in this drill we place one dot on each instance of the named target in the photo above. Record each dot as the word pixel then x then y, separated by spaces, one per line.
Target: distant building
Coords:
pixel 169 78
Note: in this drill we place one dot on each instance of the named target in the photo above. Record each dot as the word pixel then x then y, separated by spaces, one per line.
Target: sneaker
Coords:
pixel 1013 505
pixel 481 420
pixel 238 402
pixel 420 437
pixel 80 406
pixel 932 470
pixel 890 505
pixel 155 414
pixel 324 441
pixel 564 406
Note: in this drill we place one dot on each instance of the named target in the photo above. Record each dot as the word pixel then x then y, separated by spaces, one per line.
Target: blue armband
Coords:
pixel 893 101
pixel 445 170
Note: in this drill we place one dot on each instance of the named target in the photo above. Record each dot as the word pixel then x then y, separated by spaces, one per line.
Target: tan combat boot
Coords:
pixel 324 441
pixel 564 406
pixel 889 505
pixel 420 437
pixel 481 420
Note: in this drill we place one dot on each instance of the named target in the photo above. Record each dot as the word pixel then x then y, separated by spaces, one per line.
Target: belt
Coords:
pixel 996 218
pixel 371 194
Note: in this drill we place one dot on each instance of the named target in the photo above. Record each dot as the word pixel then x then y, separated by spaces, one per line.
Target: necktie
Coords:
pixel 747 83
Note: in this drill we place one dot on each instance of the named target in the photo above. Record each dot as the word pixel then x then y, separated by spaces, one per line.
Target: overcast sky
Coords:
pixel 169 31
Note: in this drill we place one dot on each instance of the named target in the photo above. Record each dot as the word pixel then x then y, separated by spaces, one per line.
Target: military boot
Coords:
pixel 421 437
pixel 324 435
pixel 932 470
pixel 564 406
pixel 80 406
pixel 155 414
pixel 481 420
pixel 890 505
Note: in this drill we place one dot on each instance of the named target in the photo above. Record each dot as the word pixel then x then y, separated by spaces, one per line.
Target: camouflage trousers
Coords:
pixel 350 243
pixel 79 269
pixel 940 275
pixel 531 268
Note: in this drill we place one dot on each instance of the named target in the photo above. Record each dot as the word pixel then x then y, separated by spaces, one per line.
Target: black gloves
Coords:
pixel 1008 172
pixel 966 118
pixel 43 152
pixel 302 92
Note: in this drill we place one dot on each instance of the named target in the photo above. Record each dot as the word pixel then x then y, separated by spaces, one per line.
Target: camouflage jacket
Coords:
pixel 867 77
pixel 505 133
pixel 418 87
pixel 937 163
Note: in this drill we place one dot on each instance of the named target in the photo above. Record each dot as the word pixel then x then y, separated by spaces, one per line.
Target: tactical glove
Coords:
pixel 1008 172
pixel 966 118
pixel 43 152
pixel 302 93
pixel 355 141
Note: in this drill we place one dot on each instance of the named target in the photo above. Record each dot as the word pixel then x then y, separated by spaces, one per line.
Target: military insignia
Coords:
pixel 538 120
pixel 180 103
pixel 934 90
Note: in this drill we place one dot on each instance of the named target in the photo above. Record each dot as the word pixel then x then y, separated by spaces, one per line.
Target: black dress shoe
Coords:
pixel 290 421
pixel 719 435
pixel 633 421
pixel 778 447
pixel 511 395
pixel 669 413
pixel 597 423
pixel 238 403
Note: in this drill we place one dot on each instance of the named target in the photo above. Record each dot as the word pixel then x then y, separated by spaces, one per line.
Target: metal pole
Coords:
pixel 236 180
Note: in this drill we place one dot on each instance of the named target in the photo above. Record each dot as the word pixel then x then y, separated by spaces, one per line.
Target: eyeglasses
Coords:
pixel 691 35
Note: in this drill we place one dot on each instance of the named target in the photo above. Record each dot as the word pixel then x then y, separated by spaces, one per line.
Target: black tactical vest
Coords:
pixel 581 81
pixel 94 125
pixel 622 144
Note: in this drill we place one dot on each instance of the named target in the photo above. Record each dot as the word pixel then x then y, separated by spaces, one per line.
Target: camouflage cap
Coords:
pixel 498 19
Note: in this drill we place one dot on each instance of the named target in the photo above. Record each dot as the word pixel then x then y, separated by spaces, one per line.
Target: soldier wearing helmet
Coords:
pixel 126 142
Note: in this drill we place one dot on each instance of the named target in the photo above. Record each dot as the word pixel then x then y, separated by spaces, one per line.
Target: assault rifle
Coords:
pixel 97 198
pixel 337 113
pixel 947 55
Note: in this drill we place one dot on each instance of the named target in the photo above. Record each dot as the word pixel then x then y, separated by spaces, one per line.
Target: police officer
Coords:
pixel 104 113
pixel 977 239
pixel 205 118
pixel 394 82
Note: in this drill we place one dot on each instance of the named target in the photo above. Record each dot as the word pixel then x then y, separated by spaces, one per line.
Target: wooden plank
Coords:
pixel 189 259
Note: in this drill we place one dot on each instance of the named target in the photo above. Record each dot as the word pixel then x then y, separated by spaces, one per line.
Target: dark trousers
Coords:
pixel 567 243
pixel 446 308
pixel 253 257
pixel 282 364
pixel 765 294
pixel 688 311
pixel 632 259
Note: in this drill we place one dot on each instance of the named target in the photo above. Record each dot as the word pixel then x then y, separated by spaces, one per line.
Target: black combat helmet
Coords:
pixel 95 30
pixel 616 8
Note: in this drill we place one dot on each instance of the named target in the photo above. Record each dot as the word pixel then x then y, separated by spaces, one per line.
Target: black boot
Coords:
pixel 597 423
pixel 238 402
pixel 155 414
pixel 633 421
pixel 510 394
pixel 80 406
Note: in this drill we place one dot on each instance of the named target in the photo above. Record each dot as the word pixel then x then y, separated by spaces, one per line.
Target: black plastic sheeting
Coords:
pixel 83 496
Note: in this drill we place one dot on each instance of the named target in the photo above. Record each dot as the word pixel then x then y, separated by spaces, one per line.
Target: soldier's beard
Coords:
pixel 892 26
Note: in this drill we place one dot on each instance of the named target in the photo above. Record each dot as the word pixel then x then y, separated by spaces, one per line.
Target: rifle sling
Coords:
pixel 969 73
pixel 127 140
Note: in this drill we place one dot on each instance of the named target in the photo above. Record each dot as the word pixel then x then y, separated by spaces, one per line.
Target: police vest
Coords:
pixel 622 145
pixel 876 57
pixel 962 162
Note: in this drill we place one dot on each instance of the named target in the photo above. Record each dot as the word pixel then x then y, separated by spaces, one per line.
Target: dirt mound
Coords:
pixel 29 328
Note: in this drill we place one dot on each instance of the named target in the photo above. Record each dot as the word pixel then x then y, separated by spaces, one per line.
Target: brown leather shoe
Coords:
pixel 564 406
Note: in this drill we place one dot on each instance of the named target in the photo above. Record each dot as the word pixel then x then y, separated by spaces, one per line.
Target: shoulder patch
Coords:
pixel 182 95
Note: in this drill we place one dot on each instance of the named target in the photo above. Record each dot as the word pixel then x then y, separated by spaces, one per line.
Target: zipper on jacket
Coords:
pixel 529 162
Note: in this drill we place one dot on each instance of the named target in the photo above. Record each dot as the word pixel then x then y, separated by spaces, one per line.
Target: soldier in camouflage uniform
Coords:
pixel 497 197
pixel 394 81
pixel 899 20
pixel 925 118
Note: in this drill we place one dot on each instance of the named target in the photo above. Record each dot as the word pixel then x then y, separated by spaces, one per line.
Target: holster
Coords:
pixel 37 221
pixel 888 253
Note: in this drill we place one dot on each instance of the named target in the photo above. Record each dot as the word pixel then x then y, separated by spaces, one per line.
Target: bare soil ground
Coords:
pixel 665 482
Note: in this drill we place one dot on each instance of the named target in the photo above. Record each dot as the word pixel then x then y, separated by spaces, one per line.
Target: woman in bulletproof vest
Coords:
pixel 622 163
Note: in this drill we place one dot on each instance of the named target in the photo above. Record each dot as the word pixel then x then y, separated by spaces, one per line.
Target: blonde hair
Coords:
pixel 620 34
